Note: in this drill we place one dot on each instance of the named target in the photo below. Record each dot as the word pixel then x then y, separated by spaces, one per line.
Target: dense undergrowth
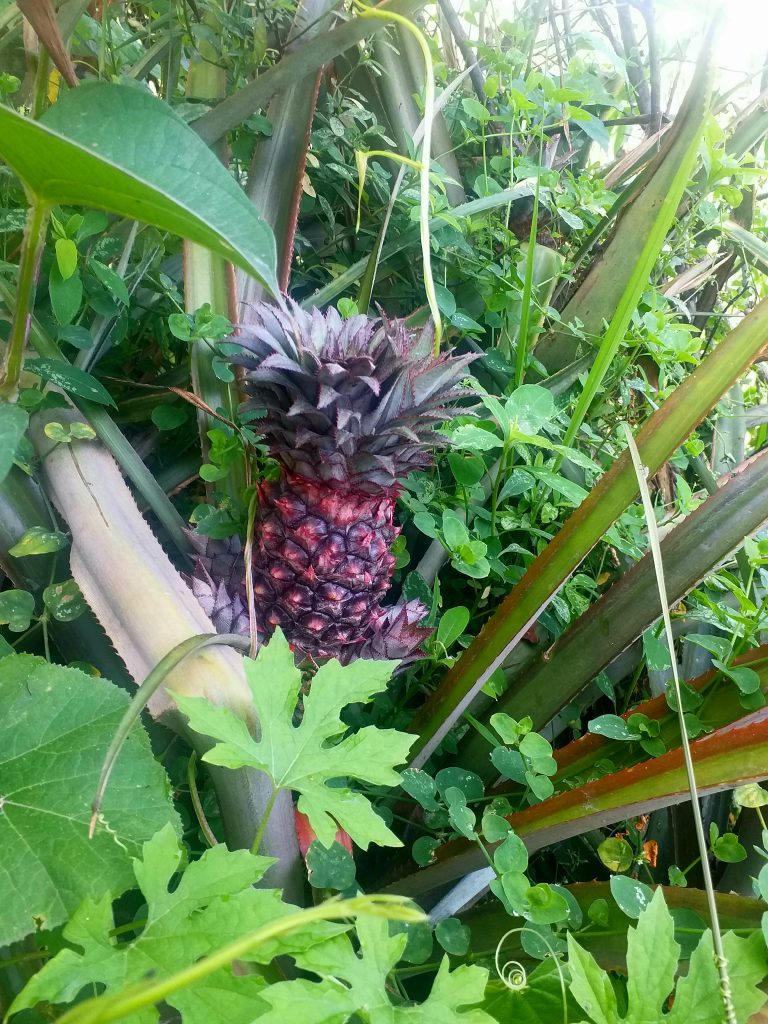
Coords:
pixel 486 817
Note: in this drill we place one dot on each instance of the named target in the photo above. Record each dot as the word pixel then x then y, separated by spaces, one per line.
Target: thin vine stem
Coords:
pixel 197 803
pixel 653 537
pixel 256 845
pixel 29 265
pixel 151 684
pixel 426 155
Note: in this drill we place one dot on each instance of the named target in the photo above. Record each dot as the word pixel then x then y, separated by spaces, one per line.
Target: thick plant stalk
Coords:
pixel 146 609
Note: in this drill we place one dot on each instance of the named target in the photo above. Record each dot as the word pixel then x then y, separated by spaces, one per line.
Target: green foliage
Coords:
pixel 55 726
pixel 117 148
pixel 356 983
pixel 301 757
pixel 557 237
pixel 13 424
pixel 215 902
pixel 652 956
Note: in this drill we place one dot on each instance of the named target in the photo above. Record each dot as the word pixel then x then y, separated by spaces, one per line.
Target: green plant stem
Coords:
pixel 107 1008
pixel 653 536
pixel 41 83
pixel 525 309
pixel 202 821
pixel 151 684
pixel 502 472
pixel 692 865
pixel 263 823
pixel 488 857
pixel 29 265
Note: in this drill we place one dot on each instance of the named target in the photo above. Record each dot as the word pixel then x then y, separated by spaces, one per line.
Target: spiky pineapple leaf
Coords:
pixel 652 961
pixel 310 758
pixel 55 726
pixel 365 994
pixel 214 903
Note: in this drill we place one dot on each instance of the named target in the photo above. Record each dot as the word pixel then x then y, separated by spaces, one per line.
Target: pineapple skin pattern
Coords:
pixel 350 408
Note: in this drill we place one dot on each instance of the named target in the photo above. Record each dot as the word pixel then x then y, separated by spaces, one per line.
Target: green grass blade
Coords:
pixel 667 189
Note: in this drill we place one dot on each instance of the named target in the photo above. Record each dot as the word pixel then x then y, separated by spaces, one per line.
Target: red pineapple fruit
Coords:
pixel 351 407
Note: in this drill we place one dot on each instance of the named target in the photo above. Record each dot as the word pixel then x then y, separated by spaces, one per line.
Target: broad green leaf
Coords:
pixel 75 335
pixel 474 439
pixel 631 895
pixel 698 999
pixel 748 968
pixel 656 651
pixel 717 645
pixel 13 423
pixel 612 726
pixel 652 956
pixel 467 470
pixel 365 974
pixel 168 417
pixel 461 817
pixel 121 149
pixel 70 379
pixel 420 786
pixel 64 601
pixel 38 540
pixel 112 281
pixel 66 294
pixel 470 784
pixel 559 484
pixel 747 680
pixel 16 609
pixel 530 407
pixel 55 726
pixel 66 257
pixel 214 903
pixel 454 530
pixel 452 624
pixel 539 1000
pixel 750 795
pixel 616 854
pixel 453 936
pixel 511 855
pixel 330 867
pixel 590 985
pixel 300 757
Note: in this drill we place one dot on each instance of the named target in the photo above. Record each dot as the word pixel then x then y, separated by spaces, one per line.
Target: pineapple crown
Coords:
pixel 349 402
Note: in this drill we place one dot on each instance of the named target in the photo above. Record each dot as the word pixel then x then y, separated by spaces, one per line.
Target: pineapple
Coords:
pixel 351 406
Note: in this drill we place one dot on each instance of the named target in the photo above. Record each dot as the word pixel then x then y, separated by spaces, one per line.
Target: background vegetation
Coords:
pixel 595 230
